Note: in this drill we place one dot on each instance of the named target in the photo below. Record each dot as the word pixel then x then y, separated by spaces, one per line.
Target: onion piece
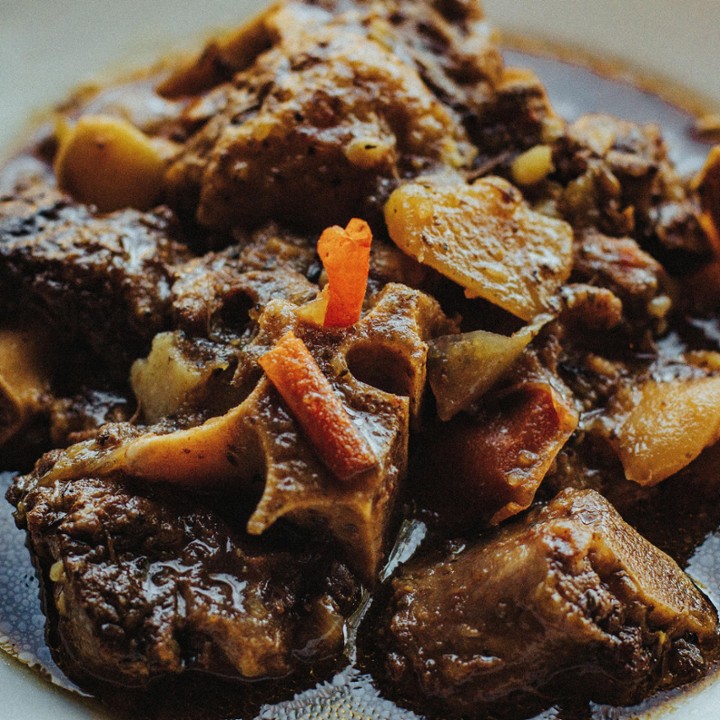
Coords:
pixel 462 368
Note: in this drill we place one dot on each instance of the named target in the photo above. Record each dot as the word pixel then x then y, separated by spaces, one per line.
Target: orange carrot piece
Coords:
pixel 345 254
pixel 315 405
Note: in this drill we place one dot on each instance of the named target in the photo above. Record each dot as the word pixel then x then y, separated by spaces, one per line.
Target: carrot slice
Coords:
pixel 311 399
pixel 345 254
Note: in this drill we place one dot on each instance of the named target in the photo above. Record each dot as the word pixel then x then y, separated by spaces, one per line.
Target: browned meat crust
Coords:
pixel 103 278
pixel 571 596
pixel 145 584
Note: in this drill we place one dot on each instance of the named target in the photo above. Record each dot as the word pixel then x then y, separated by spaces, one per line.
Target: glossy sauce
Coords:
pixel 670 517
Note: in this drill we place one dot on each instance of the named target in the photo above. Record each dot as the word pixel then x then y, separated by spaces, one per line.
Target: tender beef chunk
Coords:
pixel 80 417
pixel 571 597
pixel 450 43
pixel 219 294
pixel 389 264
pixel 612 167
pixel 516 117
pixel 30 208
pixel 319 129
pixel 103 278
pixel 273 247
pixel 140 583
pixel 455 52
pixel 339 108
pixel 676 228
pixel 619 179
pixel 620 266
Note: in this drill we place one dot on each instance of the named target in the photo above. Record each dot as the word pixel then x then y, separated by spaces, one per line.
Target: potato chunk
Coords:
pixel 24 378
pixel 484 237
pixel 109 163
pixel 172 374
pixel 669 425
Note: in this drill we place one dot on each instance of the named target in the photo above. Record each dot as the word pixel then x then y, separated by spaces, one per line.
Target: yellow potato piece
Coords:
pixel 109 163
pixel 485 238
pixel 167 378
pixel 670 424
pixel 24 378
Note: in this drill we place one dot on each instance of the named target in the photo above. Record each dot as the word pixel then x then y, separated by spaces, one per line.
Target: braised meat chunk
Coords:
pixel 320 128
pixel 103 278
pixel 260 438
pixel 144 584
pixel 569 596
pixel 618 178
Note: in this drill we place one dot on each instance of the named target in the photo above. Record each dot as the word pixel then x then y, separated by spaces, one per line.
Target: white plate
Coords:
pixel 47 48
